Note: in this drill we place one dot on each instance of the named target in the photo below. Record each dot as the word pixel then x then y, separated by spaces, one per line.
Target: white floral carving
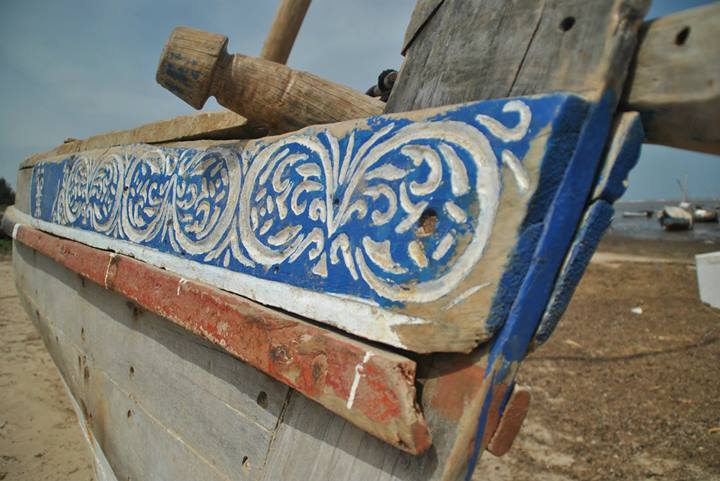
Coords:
pixel 366 203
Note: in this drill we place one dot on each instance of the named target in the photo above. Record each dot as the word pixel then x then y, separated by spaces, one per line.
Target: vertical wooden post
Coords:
pixel 284 30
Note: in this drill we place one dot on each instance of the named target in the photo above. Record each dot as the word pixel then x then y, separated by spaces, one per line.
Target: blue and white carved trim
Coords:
pixel 392 211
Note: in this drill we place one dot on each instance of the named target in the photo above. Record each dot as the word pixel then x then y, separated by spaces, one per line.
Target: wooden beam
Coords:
pixel 675 80
pixel 284 30
pixel 195 65
pixel 320 364
pixel 469 50
pixel 202 125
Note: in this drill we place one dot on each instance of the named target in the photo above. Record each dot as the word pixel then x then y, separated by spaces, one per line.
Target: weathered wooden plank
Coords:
pixel 372 388
pixel 284 30
pixel 675 81
pixel 202 125
pixel 156 403
pixel 424 9
pixel 621 157
pixel 309 444
pixel 408 218
pixel 471 50
pixel 195 65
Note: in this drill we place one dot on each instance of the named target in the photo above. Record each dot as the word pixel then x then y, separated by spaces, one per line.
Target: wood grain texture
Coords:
pixel 675 81
pixel 470 50
pixel 202 125
pixel 372 388
pixel 284 30
pixel 150 390
pixel 424 9
pixel 267 93
pixel 456 390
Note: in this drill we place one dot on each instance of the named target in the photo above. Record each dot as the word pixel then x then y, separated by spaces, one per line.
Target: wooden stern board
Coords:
pixel 479 50
pixel 498 49
pixel 397 228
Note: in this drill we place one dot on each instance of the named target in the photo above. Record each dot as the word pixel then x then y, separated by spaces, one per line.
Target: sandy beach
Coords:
pixel 616 395
pixel 40 438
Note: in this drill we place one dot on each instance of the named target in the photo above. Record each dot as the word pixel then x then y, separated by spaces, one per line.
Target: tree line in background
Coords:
pixel 7 194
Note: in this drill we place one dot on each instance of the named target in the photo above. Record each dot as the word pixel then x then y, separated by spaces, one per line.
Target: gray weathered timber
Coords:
pixel 675 84
pixel 475 50
pixel 313 444
pixel 191 402
pixel 423 11
pixel 202 125
pixel 466 50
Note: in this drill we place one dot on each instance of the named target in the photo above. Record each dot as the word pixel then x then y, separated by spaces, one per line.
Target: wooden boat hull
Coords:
pixel 148 390
pixel 675 219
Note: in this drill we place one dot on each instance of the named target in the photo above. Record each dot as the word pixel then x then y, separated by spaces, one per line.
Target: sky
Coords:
pixel 75 68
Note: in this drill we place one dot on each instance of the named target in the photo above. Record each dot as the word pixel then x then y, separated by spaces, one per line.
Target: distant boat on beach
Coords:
pixel 701 214
pixel 675 218
pixel 638 213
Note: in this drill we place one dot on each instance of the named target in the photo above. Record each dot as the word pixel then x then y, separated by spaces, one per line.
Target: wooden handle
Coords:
pixel 284 30
pixel 188 63
pixel 195 65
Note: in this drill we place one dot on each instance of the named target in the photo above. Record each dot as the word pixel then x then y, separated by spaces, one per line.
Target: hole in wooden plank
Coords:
pixel 427 222
pixel 682 36
pixel 246 462
pixel 129 413
pixel 567 23
pixel 262 399
pixel 132 371
pixel 82 333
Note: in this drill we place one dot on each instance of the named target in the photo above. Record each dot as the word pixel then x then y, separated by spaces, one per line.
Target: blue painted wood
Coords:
pixel 511 343
pixel 596 220
pixel 338 191
pixel 561 150
pixel 622 156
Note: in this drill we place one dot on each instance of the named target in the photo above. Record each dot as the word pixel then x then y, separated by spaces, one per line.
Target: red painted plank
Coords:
pixel 372 388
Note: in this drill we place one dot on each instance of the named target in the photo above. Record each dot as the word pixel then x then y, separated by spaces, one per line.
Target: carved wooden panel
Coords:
pixel 407 229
